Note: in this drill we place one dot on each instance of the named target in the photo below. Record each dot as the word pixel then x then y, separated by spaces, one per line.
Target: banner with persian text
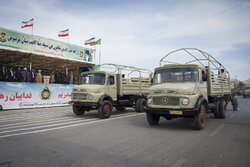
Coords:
pixel 25 95
pixel 18 41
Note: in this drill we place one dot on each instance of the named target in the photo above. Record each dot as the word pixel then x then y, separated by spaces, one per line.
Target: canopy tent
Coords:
pixel 24 50
pixel 19 50
pixel 16 58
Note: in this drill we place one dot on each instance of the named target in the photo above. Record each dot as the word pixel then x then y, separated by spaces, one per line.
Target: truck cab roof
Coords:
pixel 180 66
pixel 102 72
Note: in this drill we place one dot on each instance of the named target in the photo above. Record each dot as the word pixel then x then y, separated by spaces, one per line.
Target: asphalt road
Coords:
pixel 56 137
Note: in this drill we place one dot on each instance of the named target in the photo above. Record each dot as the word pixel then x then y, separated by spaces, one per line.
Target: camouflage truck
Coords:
pixel 103 90
pixel 190 86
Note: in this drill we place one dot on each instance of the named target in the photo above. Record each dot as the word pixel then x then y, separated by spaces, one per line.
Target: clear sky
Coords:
pixel 140 33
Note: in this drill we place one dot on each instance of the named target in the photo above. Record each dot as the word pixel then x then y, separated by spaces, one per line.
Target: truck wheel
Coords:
pixel 153 119
pixel 137 105
pixel 78 110
pixel 142 104
pixel 200 118
pixel 105 109
pixel 120 108
pixel 216 110
pixel 222 109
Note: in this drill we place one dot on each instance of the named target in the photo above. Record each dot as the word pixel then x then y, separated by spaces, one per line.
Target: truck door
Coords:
pixel 111 87
pixel 203 83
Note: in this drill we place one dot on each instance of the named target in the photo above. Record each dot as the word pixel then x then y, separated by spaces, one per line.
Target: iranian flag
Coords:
pixel 63 33
pixel 27 23
pixel 90 41
pixel 98 42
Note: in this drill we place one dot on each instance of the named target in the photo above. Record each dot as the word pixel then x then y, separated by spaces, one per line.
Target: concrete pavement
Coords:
pixel 56 137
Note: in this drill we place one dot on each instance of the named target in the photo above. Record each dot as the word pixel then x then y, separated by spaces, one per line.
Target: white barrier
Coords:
pixel 30 95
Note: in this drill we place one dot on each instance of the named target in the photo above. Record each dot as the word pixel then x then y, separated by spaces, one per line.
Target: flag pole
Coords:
pixel 100 48
pixel 30 61
pixel 68 38
pixel 32 27
pixel 95 54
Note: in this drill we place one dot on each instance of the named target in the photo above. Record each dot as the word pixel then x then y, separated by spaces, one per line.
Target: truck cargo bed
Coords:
pixel 133 86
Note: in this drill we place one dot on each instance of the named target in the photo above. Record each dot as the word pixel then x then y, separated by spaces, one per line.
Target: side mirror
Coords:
pixel 204 77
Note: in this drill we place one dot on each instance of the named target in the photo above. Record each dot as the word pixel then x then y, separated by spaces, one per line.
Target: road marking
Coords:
pixel 61 121
pixel 28 114
pixel 45 126
pixel 217 130
pixel 28 118
pixel 31 113
pixel 70 126
pixel 179 163
pixel 37 120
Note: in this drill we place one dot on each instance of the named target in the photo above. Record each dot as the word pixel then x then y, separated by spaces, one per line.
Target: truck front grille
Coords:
pixel 166 101
pixel 79 96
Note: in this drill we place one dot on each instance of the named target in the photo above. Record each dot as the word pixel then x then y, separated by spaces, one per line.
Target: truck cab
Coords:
pixel 103 90
pixel 182 84
pixel 96 86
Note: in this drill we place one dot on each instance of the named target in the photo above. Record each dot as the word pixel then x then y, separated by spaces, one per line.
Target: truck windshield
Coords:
pixel 94 78
pixel 187 74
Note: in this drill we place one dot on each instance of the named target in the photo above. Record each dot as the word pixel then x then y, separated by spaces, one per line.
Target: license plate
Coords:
pixel 176 112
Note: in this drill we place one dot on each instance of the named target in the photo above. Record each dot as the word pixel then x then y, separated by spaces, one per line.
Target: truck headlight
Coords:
pixel 90 97
pixel 185 101
pixel 149 100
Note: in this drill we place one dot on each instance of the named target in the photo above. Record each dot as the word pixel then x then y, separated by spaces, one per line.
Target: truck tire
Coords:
pixel 120 108
pixel 216 110
pixel 200 118
pixel 222 109
pixel 142 104
pixel 153 119
pixel 137 105
pixel 78 110
pixel 105 109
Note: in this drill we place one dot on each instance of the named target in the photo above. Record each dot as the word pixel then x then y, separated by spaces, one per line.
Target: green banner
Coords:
pixel 17 41
pixel 97 67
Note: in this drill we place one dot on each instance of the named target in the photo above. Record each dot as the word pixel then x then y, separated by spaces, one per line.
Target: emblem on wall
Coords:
pixel 45 94
pixel 3 37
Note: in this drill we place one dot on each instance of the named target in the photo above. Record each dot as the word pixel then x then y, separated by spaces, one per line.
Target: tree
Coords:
pixel 238 89
pixel 241 85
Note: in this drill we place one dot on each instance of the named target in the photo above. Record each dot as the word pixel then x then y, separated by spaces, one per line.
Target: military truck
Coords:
pixel 119 86
pixel 246 92
pixel 189 83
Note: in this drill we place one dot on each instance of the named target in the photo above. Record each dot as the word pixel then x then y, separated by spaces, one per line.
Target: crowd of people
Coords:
pixel 35 75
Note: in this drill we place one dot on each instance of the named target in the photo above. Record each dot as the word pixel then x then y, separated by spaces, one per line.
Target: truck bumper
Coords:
pixel 174 112
pixel 85 104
